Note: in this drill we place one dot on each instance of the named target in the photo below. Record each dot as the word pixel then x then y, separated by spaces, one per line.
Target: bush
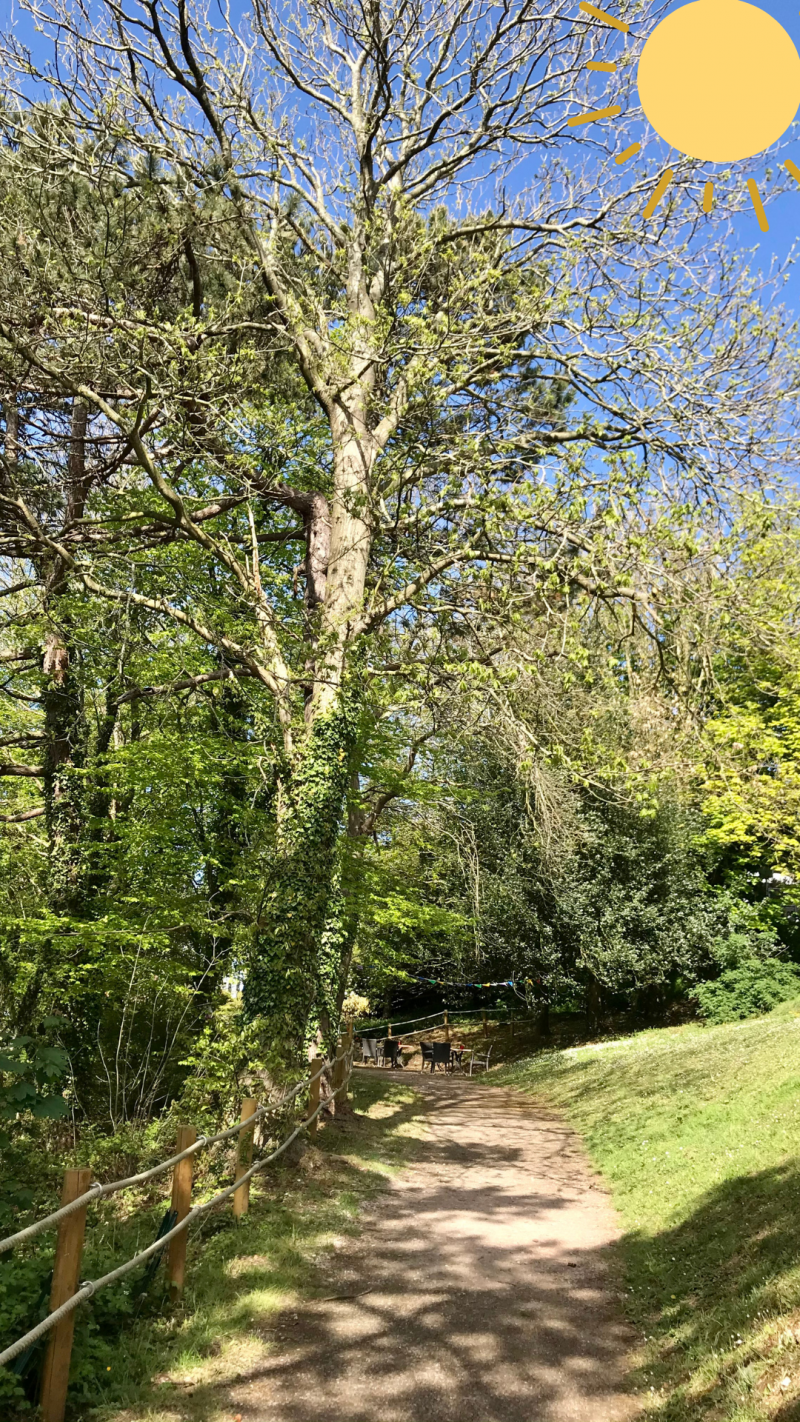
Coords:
pixel 751 987
pixel 29 1073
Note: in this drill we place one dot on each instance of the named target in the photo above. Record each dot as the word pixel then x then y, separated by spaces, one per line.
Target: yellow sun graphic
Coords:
pixel 719 80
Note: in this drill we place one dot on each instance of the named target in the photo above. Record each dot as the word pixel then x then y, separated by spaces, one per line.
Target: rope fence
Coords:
pixel 97 1191
pixel 454 1015
pixel 79 1191
pixel 68 1294
pixel 444 1018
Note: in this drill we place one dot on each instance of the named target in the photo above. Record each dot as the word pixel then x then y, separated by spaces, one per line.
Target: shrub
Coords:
pixel 30 1070
pixel 753 986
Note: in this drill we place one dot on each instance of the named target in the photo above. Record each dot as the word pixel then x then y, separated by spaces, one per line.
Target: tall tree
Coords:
pixel 475 424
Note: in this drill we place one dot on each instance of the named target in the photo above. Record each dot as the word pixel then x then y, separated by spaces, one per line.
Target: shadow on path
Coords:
pixel 478 1291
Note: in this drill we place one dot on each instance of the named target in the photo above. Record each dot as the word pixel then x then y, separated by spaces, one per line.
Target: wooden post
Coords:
pixel 485 1023
pixel 66 1276
pixel 313 1097
pixel 339 1085
pixel 182 1203
pixel 244 1158
pixel 446 1025
pixel 349 1047
pixel 390 1029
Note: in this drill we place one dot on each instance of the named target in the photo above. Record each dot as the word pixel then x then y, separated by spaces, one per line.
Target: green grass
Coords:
pixel 174 1363
pixel 697 1133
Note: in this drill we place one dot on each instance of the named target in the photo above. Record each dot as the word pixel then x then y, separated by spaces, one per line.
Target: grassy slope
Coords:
pixel 173 1367
pixel 697 1132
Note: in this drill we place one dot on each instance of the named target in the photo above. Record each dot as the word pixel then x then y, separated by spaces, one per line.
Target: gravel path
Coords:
pixel 479 1287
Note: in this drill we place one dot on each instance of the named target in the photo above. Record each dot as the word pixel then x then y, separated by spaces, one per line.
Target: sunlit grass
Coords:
pixel 697 1132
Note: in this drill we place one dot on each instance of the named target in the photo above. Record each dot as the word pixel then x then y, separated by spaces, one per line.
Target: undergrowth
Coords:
pixel 140 1359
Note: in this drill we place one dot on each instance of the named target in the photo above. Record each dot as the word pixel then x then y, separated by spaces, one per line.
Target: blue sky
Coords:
pixel 783 212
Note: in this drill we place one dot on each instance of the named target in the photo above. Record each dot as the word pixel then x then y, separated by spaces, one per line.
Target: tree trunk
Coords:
pixel 592 1005
pixel 64 761
pixel 543 1024
pixel 66 732
pixel 294 970
pixel 301 936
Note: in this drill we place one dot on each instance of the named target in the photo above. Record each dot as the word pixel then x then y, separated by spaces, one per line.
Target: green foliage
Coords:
pixel 30 1070
pixel 355 1005
pixel 224 1059
pixel 751 988
pixel 24 1301
pixel 478 877
pixel 748 765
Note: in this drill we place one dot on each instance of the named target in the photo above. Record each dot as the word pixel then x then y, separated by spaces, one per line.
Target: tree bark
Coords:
pixel 66 734
pixel 64 761
pixel 294 967
pixel 592 1005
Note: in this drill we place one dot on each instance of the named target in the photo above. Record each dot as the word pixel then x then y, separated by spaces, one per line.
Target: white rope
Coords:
pixel 457 1012
pixel 367 1031
pixel 87 1290
pixel 96 1191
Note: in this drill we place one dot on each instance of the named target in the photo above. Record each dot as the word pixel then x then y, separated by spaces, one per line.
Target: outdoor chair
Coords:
pixel 390 1051
pixel 427 1053
pixel 480 1059
pixel 370 1050
pixel 442 1055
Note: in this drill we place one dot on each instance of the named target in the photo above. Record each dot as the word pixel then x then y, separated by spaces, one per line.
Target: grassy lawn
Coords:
pixel 697 1133
pixel 172 1365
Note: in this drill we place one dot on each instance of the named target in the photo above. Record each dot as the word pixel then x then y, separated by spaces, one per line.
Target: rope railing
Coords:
pixel 445 1017
pixel 384 1022
pixel 454 1013
pixel 87 1291
pixel 65 1299
pixel 97 1190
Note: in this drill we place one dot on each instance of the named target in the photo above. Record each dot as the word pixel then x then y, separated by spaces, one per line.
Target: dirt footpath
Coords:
pixel 479 1291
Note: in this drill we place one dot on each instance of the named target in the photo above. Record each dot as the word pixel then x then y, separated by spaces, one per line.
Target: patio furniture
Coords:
pixel 427 1053
pixel 370 1050
pixel 442 1055
pixel 391 1048
pixel 480 1059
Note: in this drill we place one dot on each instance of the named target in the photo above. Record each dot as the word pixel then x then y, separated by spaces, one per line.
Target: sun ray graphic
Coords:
pixel 719 80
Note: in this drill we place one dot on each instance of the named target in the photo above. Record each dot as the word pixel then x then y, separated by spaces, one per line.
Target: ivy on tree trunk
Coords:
pixel 294 970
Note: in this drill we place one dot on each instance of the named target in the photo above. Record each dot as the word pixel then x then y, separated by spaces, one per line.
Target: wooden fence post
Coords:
pixel 182 1203
pixel 244 1159
pixel 66 1275
pixel 339 1073
pixel 389 1025
pixel 349 1065
pixel 446 1025
pixel 485 1023
pixel 313 1097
